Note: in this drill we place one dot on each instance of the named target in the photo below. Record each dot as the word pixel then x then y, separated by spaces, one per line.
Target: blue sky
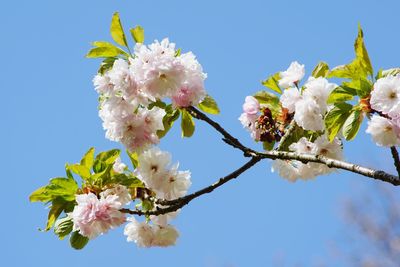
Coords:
pixel 49 117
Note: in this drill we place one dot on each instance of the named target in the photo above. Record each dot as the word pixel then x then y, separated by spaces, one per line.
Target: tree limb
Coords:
pixel 175 204
pixel 396 159
pixel 275 154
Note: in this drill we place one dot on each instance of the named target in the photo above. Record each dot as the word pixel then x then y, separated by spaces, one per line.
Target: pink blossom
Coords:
pixel 189 94
pixel 251 105
pixel 93 216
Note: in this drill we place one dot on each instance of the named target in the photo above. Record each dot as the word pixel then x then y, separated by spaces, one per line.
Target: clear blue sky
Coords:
pixel 49 117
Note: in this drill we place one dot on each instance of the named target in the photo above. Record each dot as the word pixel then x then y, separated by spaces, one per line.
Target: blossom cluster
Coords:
pixel 127 93
pixel 307 106
pixel 127 89
pixel 94 214
pixel 294 169
pixel 308 103
pixel 384 127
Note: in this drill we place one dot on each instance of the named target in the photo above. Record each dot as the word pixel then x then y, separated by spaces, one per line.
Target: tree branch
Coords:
pixel 178 203
pixel 275 154
pixel 396 159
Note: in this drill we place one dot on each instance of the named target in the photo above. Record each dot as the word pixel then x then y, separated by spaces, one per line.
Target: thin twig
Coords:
pixel 175 204
pixel 288 133
pixel 396 159
pixel 228 138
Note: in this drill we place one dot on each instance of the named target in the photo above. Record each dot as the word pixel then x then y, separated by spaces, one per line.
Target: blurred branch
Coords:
pixel 396 158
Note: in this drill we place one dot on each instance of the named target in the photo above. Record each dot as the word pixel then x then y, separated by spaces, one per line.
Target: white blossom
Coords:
pixel 141 233
pixel 122 193
pixel 289 98
pixel 165 236
pixel 385 96
pixel 119 166
pixel 292 75
pixel 157 173
pixel 384 132
pixel 293 170
pixel 308 115
pixel 319 90
pixel 147 235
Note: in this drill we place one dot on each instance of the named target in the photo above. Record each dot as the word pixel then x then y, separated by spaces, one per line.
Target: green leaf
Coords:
pixel 336 117
pixel 40 195
pixel 77 240
pixel 127 180
pixel 321 70
pixel 352 124
pixel 57 207
pixel 99 166
pixel 102 178
pixel 106 64
pixel 264 97
pixel 88 159
pixel 178 52
pixel 81 170
pixel 187 124
pixel 138 34
pixel 58 187
pixel 209 105
pixel 360 67
pixel 134 157
pixel 270 101
pixel 392 72
pixel 109 45
pixel 268 146
pixel 104 52
pixel 362 86
pixel 272 83
pixel 117 32
pixel 63 227
pixel 341 94
pixel 109 156
pixel 361 52
pixel 168 120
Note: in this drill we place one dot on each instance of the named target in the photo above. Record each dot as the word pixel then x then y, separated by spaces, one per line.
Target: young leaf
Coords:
pixel 57 207
pixel 104 52
pixel 78 241
pixel 272 83
pixel 81 170
pixel 341 94
pixel 264 97
pixel 117 32
pixel 392 72
pixel 269 100
pixel 209 105
pixel 187 124
pixel 106 64
pixel 109 156
pixel 361 52
pixel 88 159
pixel 336 117
pixel 63 227
pixel 321 70
pixel 168 121
pixel 134 157
pixel 268 146
pixel 352 124
pixel 138 34
pixel 57 188
pixel 362 86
